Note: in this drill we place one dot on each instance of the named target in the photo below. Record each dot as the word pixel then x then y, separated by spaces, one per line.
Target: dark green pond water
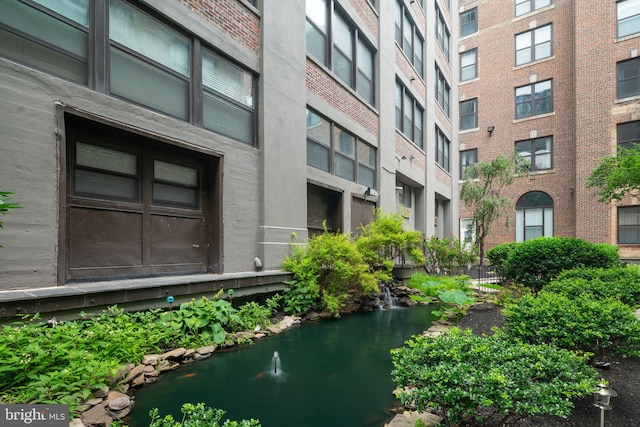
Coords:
pixel 334 373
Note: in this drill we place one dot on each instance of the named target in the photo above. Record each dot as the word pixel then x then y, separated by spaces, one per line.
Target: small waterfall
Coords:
pixel 384 299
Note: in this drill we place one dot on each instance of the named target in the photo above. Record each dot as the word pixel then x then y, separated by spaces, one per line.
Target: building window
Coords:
pixel 467 232
pixel 469 22
pixel 149 62
pixel 628 17
pixel 54 40
pixel 628 134
pixel 334 150
pixel 409 39
pixel 469 114
pixel 343 48
pixel 537 152
pixel 469 65
pixel 443 91
pixel 442 33
pixel 442 150
pixel 533 45
pixel 629 225
pixel 467 158
pixel 526 6
pixel 409 115
pixel 146 55
pixel 534 216
pixel 534 99
pixel 404 194
pixel 628 74
pixel 227 98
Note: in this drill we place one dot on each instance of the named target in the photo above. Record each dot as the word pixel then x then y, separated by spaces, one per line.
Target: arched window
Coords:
pixel 534 216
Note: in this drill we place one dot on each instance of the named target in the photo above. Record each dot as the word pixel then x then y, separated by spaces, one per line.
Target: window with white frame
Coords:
pixel 534 99
pixel 628 16
pixel 339 44
pixel 537 152
pixel 469 22
pixel 409 115
pixel 628 78
pixel 469 65
pixel 469 114
pixel 467 232
pixel 533 45
pixel 443 91
pixel 526 6
pixel 534 216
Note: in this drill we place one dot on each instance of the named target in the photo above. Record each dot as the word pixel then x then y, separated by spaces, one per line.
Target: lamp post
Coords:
pixel 602 399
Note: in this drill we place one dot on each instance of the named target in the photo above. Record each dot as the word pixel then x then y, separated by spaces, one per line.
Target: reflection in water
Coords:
pixel 332 373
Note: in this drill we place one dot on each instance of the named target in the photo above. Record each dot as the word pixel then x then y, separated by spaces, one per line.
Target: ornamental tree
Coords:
pixel 617 176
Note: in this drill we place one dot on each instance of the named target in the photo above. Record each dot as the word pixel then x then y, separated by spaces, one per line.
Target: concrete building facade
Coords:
pixel 177 147
pixel 556 81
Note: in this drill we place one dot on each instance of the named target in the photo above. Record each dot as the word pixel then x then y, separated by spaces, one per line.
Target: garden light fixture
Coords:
pixel 602 399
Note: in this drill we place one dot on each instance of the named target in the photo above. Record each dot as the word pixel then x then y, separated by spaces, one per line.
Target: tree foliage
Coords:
pixel 482 191
pixel 617 176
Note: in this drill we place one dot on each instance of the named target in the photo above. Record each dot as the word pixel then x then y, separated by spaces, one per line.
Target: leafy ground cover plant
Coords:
pixel 489 380
pixel 536 262
pixel 621 283
pixel 599 326
pixel 454 293
pixel 65 363
pixel 205 318
pixel 5 196
pixel 198 415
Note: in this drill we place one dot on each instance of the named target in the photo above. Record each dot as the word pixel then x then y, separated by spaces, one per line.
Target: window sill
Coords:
pixel 539 116
pixel 627 99
pixel 533 12
pixel 627 37
pixel 529 64
pixel 463 131
pixel 464 82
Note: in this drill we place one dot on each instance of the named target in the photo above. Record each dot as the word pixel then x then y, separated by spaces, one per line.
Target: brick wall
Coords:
pixel 232 17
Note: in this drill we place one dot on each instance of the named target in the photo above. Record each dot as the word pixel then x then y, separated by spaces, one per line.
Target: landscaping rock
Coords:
pixel 203 351
pixel 167 365
pixel 120 403
pixel 408 419
pixel 138 370
pixel 77 422
pixel 94 401
pixel 102 393
pixel 245 335
pixel 174 354
pixel 151 359
pixel 96 417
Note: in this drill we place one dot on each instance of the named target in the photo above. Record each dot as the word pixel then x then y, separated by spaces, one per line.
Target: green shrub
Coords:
pixel 445 255
pixel 329 272
pixel 198 415
pixel 459 373
pixel 621 283
pixel 252 315
pixel 536 262
pixel 497 255
pixel 600 326
pixel 384 239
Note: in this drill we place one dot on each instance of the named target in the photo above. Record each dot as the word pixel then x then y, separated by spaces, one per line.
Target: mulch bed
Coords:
pixel 623 376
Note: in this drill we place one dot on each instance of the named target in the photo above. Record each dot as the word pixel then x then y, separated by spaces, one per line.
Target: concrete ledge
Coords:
pixel 134 293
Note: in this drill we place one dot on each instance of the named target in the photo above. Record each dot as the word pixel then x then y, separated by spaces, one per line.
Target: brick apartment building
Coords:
pixel 558 81
pixel 173 147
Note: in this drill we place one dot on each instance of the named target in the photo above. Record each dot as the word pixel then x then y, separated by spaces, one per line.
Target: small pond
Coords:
pixel 329 373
